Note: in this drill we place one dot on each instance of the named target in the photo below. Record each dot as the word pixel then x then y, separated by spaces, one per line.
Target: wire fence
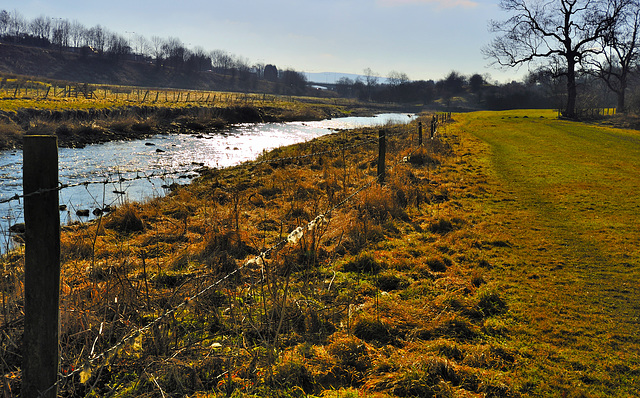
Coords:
pixel 198 291
pixel 27 89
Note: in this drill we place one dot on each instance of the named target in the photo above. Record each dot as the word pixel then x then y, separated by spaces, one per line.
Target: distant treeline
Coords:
pixel 540 89
pixel 98 41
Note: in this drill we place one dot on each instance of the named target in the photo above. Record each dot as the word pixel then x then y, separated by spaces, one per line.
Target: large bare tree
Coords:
pixel 561 32
pixel 621 53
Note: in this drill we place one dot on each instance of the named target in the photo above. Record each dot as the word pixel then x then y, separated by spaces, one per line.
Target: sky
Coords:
pixel 424 39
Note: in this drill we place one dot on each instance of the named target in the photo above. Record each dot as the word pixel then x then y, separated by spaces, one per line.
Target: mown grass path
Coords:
pixel 564 196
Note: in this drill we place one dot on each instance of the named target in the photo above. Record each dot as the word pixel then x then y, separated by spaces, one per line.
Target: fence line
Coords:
pixel 293 237
pixel 257 261
pixel 23 88
pixel 17 197
pixel 144 175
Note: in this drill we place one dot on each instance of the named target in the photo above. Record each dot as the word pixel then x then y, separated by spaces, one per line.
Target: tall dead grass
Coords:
pixel 348 302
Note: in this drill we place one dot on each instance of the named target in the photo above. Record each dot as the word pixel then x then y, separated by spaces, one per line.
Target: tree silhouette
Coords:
pixel 620 55
pixel 556 31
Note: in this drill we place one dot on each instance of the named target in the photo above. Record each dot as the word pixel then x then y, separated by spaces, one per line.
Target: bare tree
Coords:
pixel 76 34
pixel 620 55
pixel 142 45
pixel 293 81
pixel 17 24
pixel 397 78
pixel 41 27
pixel 344 86
pixel 4 22
pixel 557 31
pixel 117 46
pixel 96 38
pixel 199 60
pixel 221 61
pixel 371 81
pixel 156 46
pixel 174 51
pixel 259 69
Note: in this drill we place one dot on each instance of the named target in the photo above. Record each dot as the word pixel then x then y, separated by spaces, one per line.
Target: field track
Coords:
pixel 565 197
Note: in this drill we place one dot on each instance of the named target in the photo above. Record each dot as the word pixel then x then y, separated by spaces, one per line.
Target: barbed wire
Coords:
pixel 293 237
pixel 60 187
pixel 258 260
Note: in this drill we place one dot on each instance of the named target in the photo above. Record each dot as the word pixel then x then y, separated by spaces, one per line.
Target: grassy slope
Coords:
pixel 564 195
pixel 53 64
pixel 538 212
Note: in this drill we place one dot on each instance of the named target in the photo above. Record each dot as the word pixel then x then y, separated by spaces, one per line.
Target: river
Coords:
pixel 117 171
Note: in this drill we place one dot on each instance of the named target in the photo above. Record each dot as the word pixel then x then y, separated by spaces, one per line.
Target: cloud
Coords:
pixel 439 3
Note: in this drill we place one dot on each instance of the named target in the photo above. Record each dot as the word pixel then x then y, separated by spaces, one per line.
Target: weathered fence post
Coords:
pixel 42 267
pixel 420 133
pixel 382 149
pixel 434 121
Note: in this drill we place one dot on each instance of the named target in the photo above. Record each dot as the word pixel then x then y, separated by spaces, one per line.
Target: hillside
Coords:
pixel 58 65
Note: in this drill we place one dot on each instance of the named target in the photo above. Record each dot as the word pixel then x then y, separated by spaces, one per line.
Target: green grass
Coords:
pixel 506 266
pixel 565 195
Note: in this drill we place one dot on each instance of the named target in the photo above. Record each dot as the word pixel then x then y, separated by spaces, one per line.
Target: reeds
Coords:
pixel 232 303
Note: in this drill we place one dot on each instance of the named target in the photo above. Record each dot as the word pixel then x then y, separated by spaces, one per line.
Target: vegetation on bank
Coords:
pixel 497 260
pixel 85 114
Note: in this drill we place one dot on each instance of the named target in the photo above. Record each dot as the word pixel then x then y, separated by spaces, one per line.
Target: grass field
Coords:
pixel 499 260
pixel 29 93
pixel 564 196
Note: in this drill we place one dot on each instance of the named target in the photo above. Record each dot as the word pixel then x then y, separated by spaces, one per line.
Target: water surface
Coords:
pixel 122 171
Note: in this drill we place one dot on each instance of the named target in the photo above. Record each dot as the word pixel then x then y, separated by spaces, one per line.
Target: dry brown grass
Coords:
pixel 377 297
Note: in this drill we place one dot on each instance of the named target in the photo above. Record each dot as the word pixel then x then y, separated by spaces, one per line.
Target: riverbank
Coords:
pixel 84 114
pixel 487 265
pixel 77 128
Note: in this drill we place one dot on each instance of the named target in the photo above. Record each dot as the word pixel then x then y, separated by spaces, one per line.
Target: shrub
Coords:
pixel 10 134
pixel 42 128
pixel 124 125
pixel 80 249
pixel 449 350
pixel 421 157
pixel 372 330
pixel 143 127
pixel 441 226
pixel 64 130
pixel 351 356
pixel 230 242
pixel 477 279
pixel 378 204
pixel 292 373
pixel 362 233
pixel 363 263
pixel 490 356
pixel 126 219
pixel 427 377
pixel 438 264
pixel 389 282
pixel 456 326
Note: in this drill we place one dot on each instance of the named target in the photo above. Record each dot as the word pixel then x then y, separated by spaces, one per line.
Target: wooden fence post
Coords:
pixel 42 267
pixel 419 133
pixel 434 121
pixel 382 149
